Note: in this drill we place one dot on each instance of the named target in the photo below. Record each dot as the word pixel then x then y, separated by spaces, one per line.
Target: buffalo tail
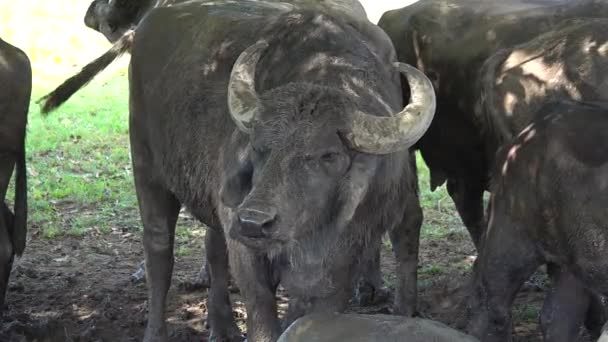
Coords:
pixel 19 233
pixel 57 97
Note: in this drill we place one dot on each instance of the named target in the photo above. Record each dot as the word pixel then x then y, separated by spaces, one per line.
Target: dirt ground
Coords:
pixel 80 289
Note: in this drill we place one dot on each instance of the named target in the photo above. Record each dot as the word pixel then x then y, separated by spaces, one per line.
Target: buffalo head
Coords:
pixel 113 18
pixel 312 152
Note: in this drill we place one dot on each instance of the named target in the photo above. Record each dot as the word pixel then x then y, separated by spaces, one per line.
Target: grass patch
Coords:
pixel 79 164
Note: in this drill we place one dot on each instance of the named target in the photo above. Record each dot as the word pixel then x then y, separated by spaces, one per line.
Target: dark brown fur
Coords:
pixel 450 40
pixel 548 206
pixel 16 78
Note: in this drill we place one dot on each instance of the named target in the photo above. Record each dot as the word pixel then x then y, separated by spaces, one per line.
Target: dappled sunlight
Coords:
pixel 526 136
pixel 509 103
pixel 567 63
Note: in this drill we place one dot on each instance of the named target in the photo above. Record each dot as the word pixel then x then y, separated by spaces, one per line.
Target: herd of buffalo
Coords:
pixel 289 129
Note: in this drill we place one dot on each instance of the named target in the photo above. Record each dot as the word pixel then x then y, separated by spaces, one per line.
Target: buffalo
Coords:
pixel 284 131
pixel 16 81
pixel 548 205
pixel 450 40
pixel 566 64
pixel 114 18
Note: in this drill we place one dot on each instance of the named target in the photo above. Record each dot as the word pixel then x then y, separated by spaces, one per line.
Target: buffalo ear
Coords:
pixel 237 182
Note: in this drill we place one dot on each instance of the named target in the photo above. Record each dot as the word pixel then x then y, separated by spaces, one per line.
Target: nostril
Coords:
pixel 254 223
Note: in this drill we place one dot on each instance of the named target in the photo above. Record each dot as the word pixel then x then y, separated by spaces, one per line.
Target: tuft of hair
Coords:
pixel 69 87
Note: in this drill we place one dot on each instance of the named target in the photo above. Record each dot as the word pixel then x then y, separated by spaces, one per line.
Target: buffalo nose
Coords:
pixel 253 222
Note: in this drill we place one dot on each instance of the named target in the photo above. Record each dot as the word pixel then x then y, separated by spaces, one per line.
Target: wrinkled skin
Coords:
pixel 450 40
pixel 516 83
pixel 16 80
pixel 547 206
pixel 290 201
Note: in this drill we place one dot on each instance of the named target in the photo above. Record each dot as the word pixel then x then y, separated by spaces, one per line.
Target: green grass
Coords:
pixel 79 166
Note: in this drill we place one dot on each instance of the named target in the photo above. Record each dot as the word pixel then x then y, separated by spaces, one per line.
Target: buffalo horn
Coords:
pixel 243 101
pixel 381 134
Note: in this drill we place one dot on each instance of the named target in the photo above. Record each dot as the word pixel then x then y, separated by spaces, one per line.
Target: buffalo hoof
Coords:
pixel 201 282
pixel 156 335
pixel 140 273
pixel 368 295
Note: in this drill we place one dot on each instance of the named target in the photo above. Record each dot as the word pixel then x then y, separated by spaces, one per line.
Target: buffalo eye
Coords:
pixel 334 163
pixel 330 157
pixel 237 183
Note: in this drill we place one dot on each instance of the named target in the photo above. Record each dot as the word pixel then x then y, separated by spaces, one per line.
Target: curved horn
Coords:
pixel 243 101
pixel 382 135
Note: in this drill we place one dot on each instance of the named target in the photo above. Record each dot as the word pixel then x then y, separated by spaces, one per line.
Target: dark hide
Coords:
pixel 548 206
pixel 16 78
pixel 311 209
pixel 568 63
pixel 450 40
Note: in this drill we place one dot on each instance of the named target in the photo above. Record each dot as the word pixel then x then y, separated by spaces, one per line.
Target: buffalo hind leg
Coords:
pixel 565 306
pixel 221 320
pixel 159 210
pixel 597 314
pixel 254 275
pixel 7 164
pixel 405 239
pixel 468 198
pixel 507 260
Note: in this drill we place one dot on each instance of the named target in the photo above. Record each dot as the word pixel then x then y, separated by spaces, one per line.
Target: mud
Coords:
pixel 80 289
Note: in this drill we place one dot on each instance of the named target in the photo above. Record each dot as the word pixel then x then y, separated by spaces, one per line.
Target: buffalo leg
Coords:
pixel 468 197
pixel 506 261
pixel 254 276
pixel 405 239
pixel 7 163
pixel 6 253
pixel 565 306
pixel 597 314
pixel 221 321
pixel 159 210
pixel 370 289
